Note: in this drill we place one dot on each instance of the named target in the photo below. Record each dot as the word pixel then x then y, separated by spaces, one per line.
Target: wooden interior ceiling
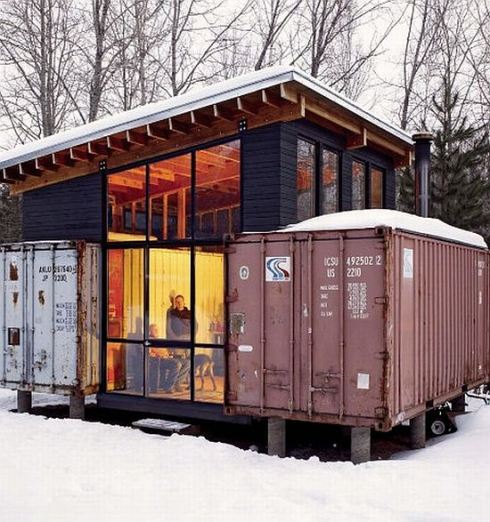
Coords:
pixel 285 102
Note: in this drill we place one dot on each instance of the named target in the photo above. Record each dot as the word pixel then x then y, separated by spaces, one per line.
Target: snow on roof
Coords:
pixel 372 218
pixel 193 100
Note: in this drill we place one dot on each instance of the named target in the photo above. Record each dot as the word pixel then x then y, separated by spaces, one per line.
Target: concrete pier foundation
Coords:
pixel 276 436
pixel 360 445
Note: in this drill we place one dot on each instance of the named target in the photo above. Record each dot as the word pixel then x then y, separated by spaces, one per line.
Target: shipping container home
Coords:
pixel 158 187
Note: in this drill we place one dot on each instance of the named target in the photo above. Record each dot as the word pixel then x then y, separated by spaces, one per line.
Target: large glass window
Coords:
pixel 218 190
pixel 305 180
pixel 165 301
pixel 125 310
pixel 329 196
pixel 126 200
pixel 209 374
pixel 170 293
pixel 210 290
pixel 169 373
pixel 358 185
pixel 376 188
pixel 170 198
pixel 125 368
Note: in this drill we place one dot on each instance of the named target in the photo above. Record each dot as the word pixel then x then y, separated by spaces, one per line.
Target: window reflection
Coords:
pixel 217 190
pixel 209 271
pixel 305 180
pixel 329 188
pixel 358 185
pixel 126 212
pixel 125 368
pixel 168 371
pixel 170 292
pixel 170 196
pixel 209 375
pixel 125 293
pixel 376 192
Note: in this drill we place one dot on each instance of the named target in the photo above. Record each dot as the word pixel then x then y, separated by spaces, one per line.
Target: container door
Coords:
pixel 321 323
pixel 260 350
pixel 364 300
pixel 54 317
pixel 14 354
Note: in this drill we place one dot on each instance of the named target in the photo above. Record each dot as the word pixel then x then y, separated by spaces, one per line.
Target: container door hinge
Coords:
pixel 383 356
pixel 231 348
pixel 233 297
pixel 229 250
pixel 381 300
pixel 381 412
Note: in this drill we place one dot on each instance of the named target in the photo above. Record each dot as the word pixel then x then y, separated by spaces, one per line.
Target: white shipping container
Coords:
pixel 50 317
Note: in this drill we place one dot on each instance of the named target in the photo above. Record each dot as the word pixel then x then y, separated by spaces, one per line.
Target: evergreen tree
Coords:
pixel 459 184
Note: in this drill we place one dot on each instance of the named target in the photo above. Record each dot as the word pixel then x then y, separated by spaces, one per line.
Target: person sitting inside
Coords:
pixel 167 370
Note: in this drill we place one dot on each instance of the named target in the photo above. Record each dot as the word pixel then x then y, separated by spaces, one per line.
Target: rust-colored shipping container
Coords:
pixel 365 327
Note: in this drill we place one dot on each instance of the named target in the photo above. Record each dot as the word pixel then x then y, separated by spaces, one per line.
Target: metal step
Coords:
pixel 165 426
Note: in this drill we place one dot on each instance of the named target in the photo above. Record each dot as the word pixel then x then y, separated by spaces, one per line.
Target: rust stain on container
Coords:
pixel 361 327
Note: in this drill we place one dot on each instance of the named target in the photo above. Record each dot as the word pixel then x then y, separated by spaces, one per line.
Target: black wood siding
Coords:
pixel 269 158
pixel 68 210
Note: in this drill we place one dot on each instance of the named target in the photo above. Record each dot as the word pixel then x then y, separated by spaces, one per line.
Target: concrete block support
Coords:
pixel 24 401
pixel 458 405
pixel 417 432
pixel 276 436
pixel 360 445
pixel 77 407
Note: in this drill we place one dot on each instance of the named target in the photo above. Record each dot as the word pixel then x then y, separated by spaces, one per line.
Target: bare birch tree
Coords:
pixel 39 57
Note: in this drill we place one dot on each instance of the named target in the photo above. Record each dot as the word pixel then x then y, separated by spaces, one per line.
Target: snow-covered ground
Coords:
pixel 68 470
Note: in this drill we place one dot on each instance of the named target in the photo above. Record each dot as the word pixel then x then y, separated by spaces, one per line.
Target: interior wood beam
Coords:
pixel 178 126
pixel 116 143
pixel 156 132
pixel 136 138
pixel 404 161
pixel 357 141
pixel 222 113
pixel 5 179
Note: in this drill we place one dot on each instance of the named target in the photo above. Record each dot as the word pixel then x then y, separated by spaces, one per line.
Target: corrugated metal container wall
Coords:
pixel 49 317
pixel 362 327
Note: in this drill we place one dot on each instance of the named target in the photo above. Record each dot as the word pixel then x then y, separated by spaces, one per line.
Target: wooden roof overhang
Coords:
pixel 279 103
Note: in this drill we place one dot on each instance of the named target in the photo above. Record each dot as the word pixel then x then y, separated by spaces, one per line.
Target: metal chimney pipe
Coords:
pixel 423 141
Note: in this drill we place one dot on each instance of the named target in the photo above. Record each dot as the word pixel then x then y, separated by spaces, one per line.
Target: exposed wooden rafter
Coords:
pixel 136 138
pixel 270 99
pixel 222 113
pixel 97 148
pixel 201 120
pixel 245 107
pixel 116 143
pixel 62 159
pixel 29 169
pixel 156 132
pixel 357 141
pixel 178 126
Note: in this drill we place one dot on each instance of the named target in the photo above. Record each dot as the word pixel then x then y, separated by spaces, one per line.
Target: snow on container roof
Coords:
pixel 394 219
pixel 193 100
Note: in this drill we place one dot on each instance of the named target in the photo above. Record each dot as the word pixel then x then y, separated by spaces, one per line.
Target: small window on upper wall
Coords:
pixel 329 196
pixel 358 185
pixel 376 188
pixel 305 180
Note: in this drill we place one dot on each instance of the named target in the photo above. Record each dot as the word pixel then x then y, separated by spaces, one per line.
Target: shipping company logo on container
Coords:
pixel 278 269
